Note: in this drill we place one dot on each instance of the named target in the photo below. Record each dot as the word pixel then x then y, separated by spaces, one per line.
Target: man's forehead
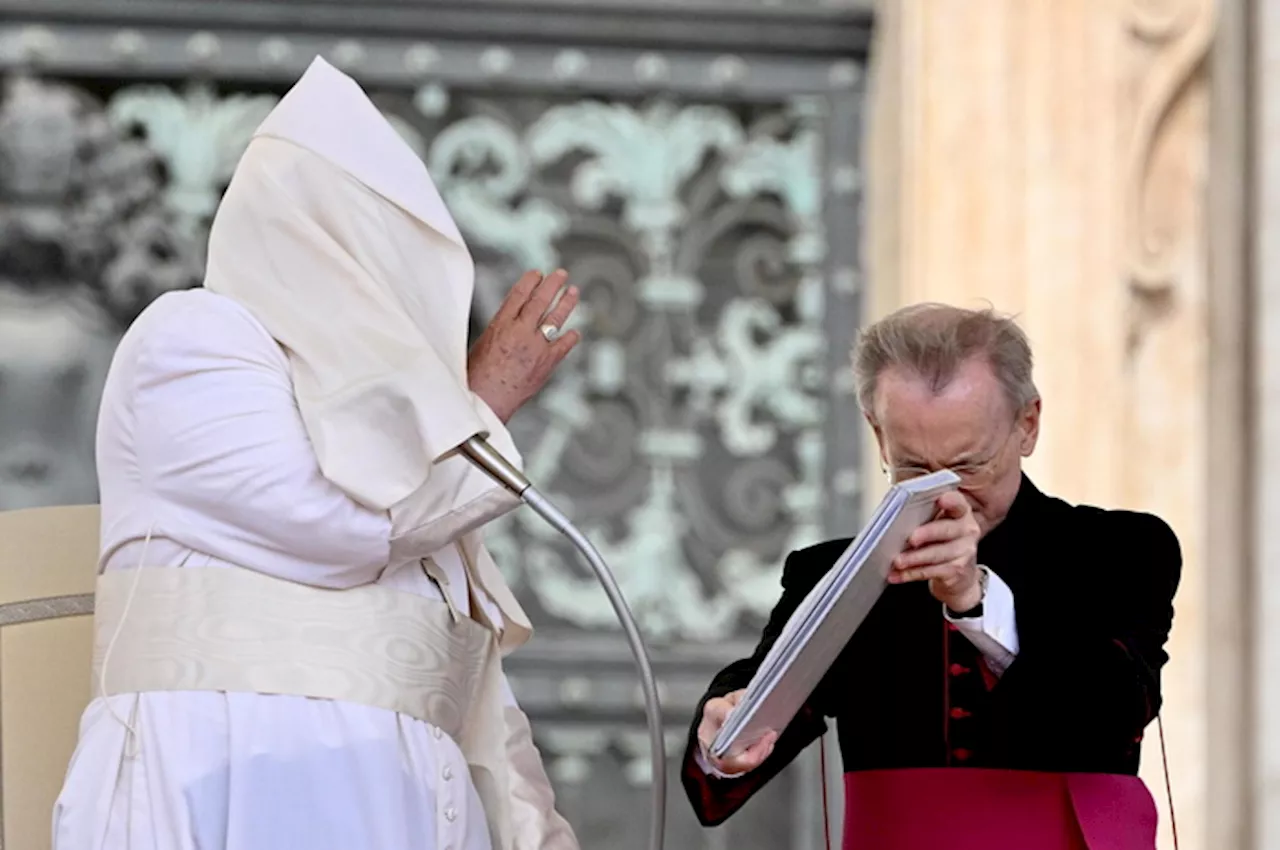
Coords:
pixel 954 420
pixel 972 385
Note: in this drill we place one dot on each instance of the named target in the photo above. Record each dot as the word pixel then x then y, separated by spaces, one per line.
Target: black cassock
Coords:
pixel 1093 595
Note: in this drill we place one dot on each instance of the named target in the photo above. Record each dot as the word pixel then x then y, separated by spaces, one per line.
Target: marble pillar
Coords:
pixel 1051 158
pixel 1264 581
pixel 1230 797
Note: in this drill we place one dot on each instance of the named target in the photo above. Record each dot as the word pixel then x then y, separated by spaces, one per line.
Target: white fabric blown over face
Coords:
pixel 333 235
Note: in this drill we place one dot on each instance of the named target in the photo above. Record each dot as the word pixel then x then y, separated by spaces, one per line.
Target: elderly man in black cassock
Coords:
pixel 997 694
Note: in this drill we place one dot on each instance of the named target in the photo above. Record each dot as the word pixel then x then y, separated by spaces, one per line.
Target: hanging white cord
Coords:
pixel 131 731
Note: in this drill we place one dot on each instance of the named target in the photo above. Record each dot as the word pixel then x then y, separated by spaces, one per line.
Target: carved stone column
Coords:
pixel 1230 799
pixel 1264 579
pixel 1051 158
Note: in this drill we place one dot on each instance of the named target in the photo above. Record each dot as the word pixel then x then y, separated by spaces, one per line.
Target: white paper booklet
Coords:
pixel 827 618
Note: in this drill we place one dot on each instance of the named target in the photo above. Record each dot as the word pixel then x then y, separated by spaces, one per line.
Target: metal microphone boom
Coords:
pixel 483 455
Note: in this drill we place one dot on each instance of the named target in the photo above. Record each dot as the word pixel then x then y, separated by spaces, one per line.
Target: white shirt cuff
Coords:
pixel 995 633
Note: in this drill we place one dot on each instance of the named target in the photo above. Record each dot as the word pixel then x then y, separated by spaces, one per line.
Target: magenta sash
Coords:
pixel 960 808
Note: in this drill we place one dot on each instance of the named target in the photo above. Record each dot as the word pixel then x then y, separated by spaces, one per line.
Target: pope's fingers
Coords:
pixel 563 344
pixel 563 308
pixel 518 296
pixel 542 296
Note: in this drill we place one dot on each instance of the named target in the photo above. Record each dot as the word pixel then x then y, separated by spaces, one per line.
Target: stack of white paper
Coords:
pixel 829 615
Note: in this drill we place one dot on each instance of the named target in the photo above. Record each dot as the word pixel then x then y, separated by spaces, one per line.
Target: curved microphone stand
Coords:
pixel 483 455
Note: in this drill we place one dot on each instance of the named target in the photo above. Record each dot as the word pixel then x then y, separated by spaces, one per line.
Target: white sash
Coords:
pixel 236 630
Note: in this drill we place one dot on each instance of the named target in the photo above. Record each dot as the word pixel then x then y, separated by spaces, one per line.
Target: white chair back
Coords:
pixel 48 565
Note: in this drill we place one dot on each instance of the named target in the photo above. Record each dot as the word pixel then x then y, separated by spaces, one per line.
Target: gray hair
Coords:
pixel 934 340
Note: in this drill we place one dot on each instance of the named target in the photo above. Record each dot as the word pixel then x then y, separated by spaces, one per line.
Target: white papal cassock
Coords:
pixel 290 424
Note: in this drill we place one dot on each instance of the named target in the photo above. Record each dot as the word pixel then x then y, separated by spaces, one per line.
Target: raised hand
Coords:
pixel 523 345
pixel 944 552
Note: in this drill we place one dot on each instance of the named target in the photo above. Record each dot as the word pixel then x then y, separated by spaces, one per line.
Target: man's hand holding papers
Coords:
pixel 714 715
pixel 821 626
pixel 944 552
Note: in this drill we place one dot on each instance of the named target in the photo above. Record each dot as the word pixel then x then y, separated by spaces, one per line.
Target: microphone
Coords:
pixel 479 452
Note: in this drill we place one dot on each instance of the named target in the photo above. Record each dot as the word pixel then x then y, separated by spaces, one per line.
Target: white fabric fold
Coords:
pixel 534 820
pixel 333 235
pixel 457 499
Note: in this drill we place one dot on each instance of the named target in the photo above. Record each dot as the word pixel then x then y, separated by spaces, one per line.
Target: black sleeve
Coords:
pixel 1086 682
pixel 714 799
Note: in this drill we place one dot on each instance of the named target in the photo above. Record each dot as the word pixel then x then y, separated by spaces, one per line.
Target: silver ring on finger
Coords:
pixel 549 332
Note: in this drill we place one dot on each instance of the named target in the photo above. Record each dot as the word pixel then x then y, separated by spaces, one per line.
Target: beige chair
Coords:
pixel 48 563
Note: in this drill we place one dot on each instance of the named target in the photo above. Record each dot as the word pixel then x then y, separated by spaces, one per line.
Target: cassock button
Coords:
pixel 447 773
pixel 437 732
pixel 958 669
pixel 451 814
pixel 961 754
pixel 960 713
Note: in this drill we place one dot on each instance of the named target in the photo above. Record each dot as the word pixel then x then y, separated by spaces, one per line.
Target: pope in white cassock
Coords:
pixel 298 631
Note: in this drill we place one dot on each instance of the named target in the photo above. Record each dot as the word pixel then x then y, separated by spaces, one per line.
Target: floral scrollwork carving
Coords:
pixel 1178 36
pixel 686 436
